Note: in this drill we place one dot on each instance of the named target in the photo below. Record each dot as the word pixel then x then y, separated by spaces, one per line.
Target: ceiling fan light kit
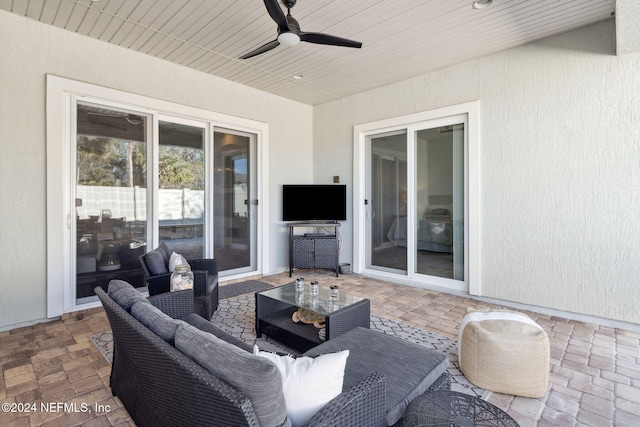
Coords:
pixel 290 34
pixel 288 39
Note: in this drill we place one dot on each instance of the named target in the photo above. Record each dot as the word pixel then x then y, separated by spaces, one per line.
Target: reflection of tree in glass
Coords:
pixel 181 168
pixel 111 162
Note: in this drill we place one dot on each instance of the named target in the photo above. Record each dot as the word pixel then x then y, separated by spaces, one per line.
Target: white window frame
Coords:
pixel 472 190
pixel 60 117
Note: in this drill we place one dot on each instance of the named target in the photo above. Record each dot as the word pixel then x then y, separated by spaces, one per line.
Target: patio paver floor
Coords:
pixel 594 379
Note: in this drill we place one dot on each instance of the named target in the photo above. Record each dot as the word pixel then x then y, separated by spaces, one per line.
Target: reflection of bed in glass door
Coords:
pixel 434 245
pixel 434 234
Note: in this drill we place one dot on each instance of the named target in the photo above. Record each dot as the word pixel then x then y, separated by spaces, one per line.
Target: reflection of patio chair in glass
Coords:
pixel 155 265
pixel 109 260
pixel 111 225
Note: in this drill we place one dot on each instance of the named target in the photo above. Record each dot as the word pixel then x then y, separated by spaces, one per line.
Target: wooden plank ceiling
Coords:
pixel 401 39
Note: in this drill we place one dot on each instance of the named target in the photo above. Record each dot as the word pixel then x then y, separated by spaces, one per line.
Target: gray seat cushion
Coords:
pixel 254 376
pixel 409 368
pixel 154 319
pixel 125 294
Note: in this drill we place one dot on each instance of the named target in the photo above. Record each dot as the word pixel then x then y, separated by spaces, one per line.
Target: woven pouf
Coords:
pixel 504 351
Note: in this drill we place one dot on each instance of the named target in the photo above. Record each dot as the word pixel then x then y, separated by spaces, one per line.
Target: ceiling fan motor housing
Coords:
pixel 294 27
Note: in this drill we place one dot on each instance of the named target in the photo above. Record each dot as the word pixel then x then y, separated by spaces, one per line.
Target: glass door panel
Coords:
pixel 440 201
pixel 386 231
pixel 181 193
pixel 234 211
pixel 110 197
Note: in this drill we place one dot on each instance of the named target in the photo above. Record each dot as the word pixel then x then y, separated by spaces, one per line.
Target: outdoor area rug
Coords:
pixel 236 316
pixel 235 289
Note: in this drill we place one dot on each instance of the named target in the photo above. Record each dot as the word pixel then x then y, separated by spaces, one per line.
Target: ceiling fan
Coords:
pixel 289 32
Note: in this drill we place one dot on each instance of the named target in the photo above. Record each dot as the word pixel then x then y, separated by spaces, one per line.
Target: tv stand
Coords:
pixel 314 250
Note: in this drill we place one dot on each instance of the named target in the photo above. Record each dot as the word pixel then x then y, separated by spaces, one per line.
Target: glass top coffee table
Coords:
pixel 275 308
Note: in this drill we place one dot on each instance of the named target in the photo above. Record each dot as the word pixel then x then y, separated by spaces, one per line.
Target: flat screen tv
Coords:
pixel 314 203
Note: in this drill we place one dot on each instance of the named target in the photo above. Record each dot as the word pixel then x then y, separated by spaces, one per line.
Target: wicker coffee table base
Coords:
pixel 453 409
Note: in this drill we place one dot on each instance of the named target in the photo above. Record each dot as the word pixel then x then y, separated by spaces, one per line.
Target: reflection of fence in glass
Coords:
pixel 180 204
pixel 131 203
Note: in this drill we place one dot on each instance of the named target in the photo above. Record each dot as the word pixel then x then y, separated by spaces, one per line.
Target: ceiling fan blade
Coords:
pixel 262 49
pixel 320 38
pixel 277 15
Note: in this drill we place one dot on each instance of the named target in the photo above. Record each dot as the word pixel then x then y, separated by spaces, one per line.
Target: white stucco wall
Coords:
pixel 627 28
pixel 560 166
pixel 30 50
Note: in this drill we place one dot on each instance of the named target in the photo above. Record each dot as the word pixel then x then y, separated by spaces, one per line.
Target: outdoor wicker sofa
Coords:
pixel 160 385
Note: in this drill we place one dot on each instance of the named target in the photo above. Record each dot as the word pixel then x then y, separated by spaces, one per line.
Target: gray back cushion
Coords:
pixel 254 376
pixel 165 251
pixel 155 262
pixel 196 320
pixel 154 319
pixel 125 294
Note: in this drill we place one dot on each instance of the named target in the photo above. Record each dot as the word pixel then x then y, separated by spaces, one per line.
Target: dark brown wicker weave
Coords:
pixel 160 386
pixel 443 383
pixel 174 304
pixel 449 408
pixel 205 284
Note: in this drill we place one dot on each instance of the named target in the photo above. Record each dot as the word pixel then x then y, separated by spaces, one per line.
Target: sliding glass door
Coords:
pixel 439 201
pixel 182 187
pixel 111 196
pixel 387 202
pixel 141 179
pixel 414 208
pixel 126 172
pixel 235 209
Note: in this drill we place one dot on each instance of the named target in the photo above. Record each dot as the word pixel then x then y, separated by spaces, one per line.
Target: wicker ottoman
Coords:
pixel 504 351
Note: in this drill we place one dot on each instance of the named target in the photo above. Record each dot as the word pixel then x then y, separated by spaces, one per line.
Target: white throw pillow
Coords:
pixel 308 383
pixel 176 259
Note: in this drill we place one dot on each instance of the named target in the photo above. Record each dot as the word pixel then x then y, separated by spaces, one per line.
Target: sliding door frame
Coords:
pixel 62 95
pixel 472 281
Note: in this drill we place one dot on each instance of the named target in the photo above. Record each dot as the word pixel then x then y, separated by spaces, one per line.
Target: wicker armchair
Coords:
pixel 205 284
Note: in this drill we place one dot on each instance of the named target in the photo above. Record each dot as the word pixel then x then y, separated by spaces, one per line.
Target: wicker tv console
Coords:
pixel 314 250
